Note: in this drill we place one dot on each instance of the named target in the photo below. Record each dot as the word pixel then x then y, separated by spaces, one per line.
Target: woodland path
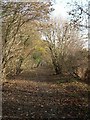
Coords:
pixel 35 95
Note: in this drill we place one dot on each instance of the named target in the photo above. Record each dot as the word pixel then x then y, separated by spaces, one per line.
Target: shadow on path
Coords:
pixel 34 95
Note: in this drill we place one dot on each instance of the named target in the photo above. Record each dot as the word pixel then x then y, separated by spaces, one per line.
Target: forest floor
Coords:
pixel 39 95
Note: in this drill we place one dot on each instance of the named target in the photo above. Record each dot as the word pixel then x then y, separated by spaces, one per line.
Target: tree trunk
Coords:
pixel 54 58
pixel 57 68
pixel 87 76
pixel 18 67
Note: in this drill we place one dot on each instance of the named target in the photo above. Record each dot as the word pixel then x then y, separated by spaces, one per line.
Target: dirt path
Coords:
pixel 37 97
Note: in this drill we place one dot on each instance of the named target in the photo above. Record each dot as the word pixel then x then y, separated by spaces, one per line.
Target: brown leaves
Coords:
pixel 37 99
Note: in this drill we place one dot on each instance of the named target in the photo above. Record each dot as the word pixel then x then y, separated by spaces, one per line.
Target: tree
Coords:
pixel 64 40
pixel 80 16
pixel 15 15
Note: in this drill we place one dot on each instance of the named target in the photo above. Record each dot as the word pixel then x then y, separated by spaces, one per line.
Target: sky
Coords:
pixel 61 7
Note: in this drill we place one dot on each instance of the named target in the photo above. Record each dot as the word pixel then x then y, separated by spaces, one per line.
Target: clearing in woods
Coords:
pixel 40 94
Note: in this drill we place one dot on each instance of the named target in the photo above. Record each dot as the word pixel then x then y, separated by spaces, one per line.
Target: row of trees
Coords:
pixel 66 46
pixel 30 35
pixel 18 18
pixel 80 16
